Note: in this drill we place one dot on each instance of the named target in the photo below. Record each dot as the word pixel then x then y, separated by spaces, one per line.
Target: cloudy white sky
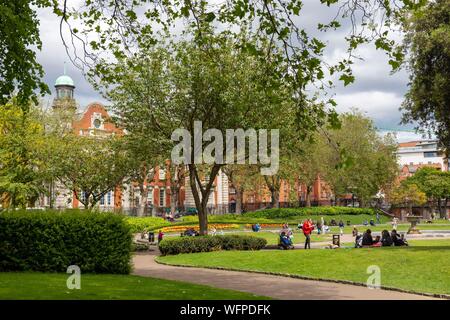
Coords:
pixel 375 91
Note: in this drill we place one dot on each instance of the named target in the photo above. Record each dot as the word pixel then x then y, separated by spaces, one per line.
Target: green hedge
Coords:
pixel 308 211
pixel 210 243
pixel 143 224
pixel 52 241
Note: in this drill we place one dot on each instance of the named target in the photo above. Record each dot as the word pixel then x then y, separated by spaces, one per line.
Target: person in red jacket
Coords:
pixel 307 229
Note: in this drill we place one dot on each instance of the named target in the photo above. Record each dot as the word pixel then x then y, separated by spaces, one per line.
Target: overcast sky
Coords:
pixel 375 91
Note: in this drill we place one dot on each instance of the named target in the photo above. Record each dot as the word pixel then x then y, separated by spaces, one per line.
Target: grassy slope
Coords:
pixel 424 267
pixel 20 285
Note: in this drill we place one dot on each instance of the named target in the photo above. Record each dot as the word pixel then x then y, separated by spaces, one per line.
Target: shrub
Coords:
pixel 52 241
pixel 143 224
pixel 308 211
pixel 210 243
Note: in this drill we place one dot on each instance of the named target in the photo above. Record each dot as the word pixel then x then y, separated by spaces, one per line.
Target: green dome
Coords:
pixel 64 80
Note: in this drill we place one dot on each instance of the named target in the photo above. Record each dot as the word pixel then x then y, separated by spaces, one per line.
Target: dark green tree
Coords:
pixel 20 73
pixel 427 102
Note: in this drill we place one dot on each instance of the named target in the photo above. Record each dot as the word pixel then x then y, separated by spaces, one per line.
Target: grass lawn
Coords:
pixel 52 286
pixel 272 237
pixel 422 267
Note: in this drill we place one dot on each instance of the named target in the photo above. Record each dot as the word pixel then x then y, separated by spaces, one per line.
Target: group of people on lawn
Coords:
pixel 365 240
pixel 385 240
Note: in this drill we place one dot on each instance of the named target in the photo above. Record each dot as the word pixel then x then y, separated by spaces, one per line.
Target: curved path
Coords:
pixel 277 287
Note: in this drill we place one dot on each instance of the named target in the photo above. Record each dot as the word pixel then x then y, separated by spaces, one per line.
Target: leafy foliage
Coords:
pixel 428 99
pixel 143 224
pixel 89 166
pixel 308 211
pixel 407 194
pixel 360 161
pixel 21 137
pixel 210 243
pixel 20 73
pixel 52 241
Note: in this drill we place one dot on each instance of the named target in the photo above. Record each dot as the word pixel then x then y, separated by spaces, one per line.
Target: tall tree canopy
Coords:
pixel 428 97
pixel 20 72
pixel 171 87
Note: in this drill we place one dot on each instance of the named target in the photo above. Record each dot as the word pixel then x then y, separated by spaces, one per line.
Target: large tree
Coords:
pixel 360 161
pixel 20 73
pixel 213 82
pixel 21 138
pixel 88 166
pixel 407 194
pixel 435 184
pixel 427 101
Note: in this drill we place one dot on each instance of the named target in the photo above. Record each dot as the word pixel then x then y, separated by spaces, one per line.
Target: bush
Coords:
pixel 52 241
pixel 144 224
pixel 210 243
pixel 308 211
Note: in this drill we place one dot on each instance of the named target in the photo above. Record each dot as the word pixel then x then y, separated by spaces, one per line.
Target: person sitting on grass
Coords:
pixel 377 242
pixel 399 240
pixel 354 231
pixel 386 240
pixel 367 239
pixel 285 242
pixel 358 241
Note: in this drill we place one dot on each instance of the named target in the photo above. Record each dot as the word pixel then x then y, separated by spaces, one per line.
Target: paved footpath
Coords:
pixel 277 287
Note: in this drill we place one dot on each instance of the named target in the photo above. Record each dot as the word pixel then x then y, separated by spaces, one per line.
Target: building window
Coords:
pixel 162 198
pixel 109 198
pixel 162 174
pixel 102 200
pixel 430 154
pixel 97 123
pixel 150 196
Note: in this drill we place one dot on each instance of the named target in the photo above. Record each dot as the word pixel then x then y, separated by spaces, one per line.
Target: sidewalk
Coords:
pixel 277 287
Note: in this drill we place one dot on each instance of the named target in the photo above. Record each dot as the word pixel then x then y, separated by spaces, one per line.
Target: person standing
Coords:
pixel 307 229
pixel 394 223
pixel 341 227
pixel 160 236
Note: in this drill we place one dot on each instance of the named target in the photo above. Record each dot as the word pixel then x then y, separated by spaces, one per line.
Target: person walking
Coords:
pixel 160 236
pixel 307 229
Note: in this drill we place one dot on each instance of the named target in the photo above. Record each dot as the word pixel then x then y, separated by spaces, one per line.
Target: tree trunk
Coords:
pixel 239 196
pixel 173 199
pixel 308 196
pixel 443 210
pixel 142 210
pixel 440 207
pixel 275 203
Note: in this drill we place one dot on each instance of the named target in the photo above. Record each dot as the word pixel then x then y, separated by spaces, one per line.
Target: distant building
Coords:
pixel 93 121
pixel 421 153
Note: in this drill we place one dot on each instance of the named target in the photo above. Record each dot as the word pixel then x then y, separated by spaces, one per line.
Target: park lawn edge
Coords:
pixel 297 276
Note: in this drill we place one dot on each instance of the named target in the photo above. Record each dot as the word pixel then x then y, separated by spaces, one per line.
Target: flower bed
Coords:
pixel 217 226
pixel 266 225
pixel 275 213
